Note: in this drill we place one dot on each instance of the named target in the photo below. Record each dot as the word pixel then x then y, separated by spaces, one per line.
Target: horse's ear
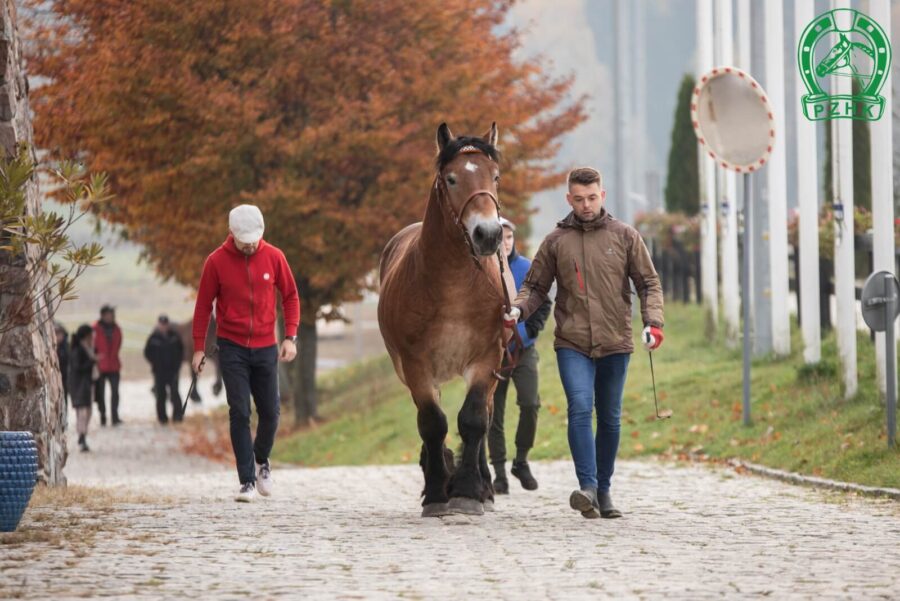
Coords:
pixel 444 136
pixel 492 135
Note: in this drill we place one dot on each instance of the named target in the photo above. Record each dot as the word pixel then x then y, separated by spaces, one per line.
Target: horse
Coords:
pixel 444 287
pixel 185 331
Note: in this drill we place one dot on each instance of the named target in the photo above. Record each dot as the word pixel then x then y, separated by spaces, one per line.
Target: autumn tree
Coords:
pixel 321 112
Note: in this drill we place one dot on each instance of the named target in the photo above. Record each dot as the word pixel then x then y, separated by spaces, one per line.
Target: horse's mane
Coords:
pixel 454 146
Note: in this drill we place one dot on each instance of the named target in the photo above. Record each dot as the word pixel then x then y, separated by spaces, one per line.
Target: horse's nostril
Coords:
pixel 487 237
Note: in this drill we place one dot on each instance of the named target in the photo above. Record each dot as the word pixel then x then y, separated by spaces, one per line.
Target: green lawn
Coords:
pixel 801 422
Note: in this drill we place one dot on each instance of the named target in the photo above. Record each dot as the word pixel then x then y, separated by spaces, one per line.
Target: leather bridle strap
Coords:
pixel 457 219
pixel 471 198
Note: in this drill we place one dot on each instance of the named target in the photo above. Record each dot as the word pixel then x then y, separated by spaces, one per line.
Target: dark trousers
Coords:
pixel 166 386
pixel 525 377
pixel 100 394
pixel 245 372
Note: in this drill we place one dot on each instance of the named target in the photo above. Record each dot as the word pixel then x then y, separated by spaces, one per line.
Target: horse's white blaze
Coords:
pixel 470 166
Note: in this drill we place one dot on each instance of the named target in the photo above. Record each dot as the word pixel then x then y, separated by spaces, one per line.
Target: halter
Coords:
pixel 517 343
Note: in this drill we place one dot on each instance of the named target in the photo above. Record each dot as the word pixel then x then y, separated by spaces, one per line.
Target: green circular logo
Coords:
pixel 861 50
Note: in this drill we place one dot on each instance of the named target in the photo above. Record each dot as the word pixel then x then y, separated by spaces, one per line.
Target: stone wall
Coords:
pixel 30 384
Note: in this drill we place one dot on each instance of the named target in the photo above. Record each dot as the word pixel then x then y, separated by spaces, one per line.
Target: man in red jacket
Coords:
pixel 241 276
pixel 108 344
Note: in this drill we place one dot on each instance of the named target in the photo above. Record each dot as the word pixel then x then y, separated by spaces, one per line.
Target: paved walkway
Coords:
pixel 355 533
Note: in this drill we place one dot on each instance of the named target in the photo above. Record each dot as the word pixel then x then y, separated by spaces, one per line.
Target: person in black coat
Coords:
pixel 82 369
pixel 62 355
pixel 165 352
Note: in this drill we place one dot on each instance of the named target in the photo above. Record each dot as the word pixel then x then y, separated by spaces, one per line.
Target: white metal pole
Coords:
pixel 882 185
pixel 762 275
pixel 639 145
pixel 743 61
pixel 808 193
pixel 708 255
pixel 775 172
pixel 731 300
pixel 622 196
pixel 844 269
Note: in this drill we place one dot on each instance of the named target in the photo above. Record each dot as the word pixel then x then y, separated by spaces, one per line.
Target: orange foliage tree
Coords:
pixel 321 112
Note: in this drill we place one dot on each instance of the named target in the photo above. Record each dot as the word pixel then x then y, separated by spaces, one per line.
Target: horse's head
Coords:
pixel 469 173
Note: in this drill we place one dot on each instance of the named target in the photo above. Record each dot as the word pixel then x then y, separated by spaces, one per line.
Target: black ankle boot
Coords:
pixel 585 501
pixel 501 484
pixel 605 504
pixel 522 471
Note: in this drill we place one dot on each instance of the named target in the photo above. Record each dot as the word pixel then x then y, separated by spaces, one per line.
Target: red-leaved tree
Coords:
pixel 322 112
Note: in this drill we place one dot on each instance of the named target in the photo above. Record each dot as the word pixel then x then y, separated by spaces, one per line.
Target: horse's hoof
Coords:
pixel 466 506
pixel 489 506
pixel 435 510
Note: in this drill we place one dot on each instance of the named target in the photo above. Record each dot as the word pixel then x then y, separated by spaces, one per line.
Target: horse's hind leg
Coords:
pixel 432 424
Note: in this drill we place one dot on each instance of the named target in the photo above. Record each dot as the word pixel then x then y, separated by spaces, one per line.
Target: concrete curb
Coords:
pixel 814 482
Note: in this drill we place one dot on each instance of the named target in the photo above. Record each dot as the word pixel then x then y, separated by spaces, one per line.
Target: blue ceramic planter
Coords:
pixel 18 474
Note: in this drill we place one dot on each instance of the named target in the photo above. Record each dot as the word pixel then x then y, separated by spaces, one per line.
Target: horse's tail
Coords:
pixel 449 461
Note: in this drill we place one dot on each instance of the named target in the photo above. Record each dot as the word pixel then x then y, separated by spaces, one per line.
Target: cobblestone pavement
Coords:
pixel 355 533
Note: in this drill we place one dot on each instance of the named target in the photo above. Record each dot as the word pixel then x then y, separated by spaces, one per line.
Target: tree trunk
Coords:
pixel 304 376
pixel 31 396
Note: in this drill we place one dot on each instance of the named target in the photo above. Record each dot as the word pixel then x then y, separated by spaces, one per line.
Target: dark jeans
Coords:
pixel 593 383
pixel 525 377
pixel 100 394
pixel 250 371
pixel 166 385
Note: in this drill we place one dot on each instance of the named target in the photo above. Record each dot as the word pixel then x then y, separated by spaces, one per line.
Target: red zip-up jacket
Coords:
pixel 243 288
pixel 107 349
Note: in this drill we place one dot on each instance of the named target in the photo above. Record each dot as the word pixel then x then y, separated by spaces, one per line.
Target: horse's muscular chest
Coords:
pixel 456 344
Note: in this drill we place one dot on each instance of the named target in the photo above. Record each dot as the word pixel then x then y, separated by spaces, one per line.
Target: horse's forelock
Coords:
pixel 465 144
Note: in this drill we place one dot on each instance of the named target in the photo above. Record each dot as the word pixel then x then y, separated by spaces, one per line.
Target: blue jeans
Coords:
pixel 593 383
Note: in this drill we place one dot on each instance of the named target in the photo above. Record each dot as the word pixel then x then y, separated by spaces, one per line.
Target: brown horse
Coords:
pixel 440 313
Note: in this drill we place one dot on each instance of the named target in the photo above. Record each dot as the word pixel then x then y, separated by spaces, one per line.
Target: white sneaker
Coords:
pixel 264 479
pixel 247 493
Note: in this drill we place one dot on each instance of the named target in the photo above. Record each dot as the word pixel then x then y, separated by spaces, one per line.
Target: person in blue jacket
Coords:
pixel 525 377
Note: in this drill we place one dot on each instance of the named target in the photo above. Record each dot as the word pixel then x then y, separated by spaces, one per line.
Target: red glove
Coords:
pixel 652 337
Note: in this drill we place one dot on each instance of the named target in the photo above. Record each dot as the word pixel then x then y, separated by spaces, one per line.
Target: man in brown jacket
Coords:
pixel 594 258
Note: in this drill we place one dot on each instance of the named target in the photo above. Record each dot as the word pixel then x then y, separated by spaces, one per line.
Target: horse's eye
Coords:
pixel 451 179
pixel 497 179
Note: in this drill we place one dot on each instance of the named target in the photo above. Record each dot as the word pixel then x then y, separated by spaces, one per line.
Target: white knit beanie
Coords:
pixel 246 224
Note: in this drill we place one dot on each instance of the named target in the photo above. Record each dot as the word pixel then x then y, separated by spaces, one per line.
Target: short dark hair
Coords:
pixel 585 176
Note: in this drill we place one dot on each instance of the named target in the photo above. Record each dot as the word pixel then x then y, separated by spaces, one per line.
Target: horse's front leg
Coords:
pixel 432 423
pixel 470 485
